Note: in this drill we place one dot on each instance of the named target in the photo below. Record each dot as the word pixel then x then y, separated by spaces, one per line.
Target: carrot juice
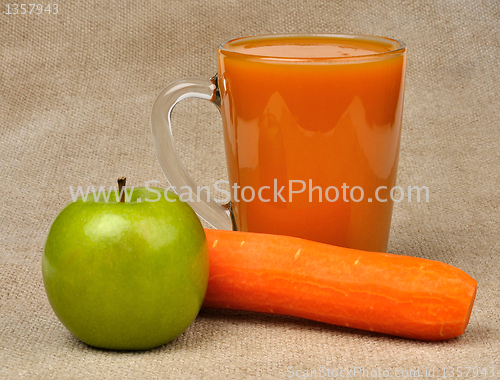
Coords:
pixel 312 129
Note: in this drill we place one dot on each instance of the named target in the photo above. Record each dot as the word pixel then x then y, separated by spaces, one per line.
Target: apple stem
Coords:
pixel 121 183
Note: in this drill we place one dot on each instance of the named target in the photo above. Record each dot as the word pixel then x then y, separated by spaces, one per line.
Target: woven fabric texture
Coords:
pixel 76 91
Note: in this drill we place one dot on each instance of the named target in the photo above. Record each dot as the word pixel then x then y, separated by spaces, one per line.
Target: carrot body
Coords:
pixel 393 294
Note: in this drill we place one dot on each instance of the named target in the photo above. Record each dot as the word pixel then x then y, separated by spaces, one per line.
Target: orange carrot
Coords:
pixel 392 294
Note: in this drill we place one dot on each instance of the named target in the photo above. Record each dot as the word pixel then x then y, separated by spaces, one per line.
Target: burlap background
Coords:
pixel 75 97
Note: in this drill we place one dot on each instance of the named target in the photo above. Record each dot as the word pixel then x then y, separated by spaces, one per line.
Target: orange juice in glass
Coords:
pixel 312 127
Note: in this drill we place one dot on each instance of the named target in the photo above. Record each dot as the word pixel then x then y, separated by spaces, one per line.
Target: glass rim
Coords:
pixel 399 49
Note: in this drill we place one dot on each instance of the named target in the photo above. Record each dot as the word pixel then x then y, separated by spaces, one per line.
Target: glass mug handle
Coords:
pixel 218 215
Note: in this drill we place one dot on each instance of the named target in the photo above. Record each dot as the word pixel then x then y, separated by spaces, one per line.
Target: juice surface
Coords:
pixel 324 116
pixel 308 47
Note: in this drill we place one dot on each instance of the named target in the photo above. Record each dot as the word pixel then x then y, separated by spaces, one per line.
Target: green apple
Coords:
pixel 126 275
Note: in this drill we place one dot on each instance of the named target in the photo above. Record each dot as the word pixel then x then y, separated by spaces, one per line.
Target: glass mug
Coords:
pixel 312 129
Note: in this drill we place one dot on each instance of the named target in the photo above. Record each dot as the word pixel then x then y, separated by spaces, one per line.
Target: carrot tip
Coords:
pixel 469 310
